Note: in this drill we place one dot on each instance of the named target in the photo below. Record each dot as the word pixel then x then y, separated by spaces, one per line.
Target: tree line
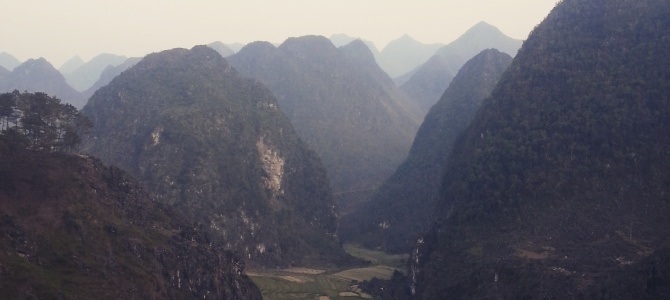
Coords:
pixel 38 121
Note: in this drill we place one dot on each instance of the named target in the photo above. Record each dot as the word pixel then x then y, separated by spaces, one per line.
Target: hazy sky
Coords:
pixel 60 29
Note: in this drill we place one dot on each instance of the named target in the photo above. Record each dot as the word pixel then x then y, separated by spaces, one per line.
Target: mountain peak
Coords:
pixel 481 30
pixel 359 51
pixel 8 61
pixel 311 42
pixel 216 146
pixel 221 48
pixel 71 65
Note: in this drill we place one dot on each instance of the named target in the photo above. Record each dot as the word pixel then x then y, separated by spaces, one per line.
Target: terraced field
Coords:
pixel 303 283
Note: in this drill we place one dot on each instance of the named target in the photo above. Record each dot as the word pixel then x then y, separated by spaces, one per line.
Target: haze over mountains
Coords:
pixel 543 176
pixel 217 147
pixel 402 207
pixel 8 61
pixel 341 104
pixel 38 75
pixel 404 54
pixel 426 83
pixel 108 74
pixel 85 75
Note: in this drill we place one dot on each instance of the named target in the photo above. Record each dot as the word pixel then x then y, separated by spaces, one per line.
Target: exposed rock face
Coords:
pixel 217 147
pixel 404 205
pixel 71 228
pixel 559 188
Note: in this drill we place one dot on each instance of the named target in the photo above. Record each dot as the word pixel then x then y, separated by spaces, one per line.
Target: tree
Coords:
pixel 43 121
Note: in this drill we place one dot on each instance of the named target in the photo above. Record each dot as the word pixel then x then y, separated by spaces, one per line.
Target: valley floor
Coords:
pixel 303 283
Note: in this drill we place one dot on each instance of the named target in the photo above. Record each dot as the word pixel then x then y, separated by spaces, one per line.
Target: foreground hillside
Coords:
pixel 559 188
pixel 404 205
pixel 72 228
pixel 216 146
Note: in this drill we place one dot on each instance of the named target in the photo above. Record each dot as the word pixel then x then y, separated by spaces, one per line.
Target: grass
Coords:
pixel 397 261
pixel 300 283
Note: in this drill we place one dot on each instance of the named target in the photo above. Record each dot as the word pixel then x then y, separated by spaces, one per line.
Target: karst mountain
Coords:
pixel 559 188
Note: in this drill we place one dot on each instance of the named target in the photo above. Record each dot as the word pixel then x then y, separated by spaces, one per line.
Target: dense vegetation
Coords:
pixel 341 104
pixel 404 205
pixel 216 146
pixel 559 188
pixel 71 228
pixel 41 122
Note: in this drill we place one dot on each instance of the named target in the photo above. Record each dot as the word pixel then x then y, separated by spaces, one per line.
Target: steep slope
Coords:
pixel 341 104
pixel 108 74
pixel 8 61
pixel 404 54
pixel 403 206
pixel 217 147
pixel 429 81
pixel 38 75
pixel 87 74
pixel 559 188
pixel 71 228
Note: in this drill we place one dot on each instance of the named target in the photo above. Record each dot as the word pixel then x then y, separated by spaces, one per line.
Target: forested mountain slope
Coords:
pixel 72 228
pixel 404 205
pixel 216 146
pixel 559 188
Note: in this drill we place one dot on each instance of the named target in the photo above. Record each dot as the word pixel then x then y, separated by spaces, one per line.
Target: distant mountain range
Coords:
pixel 38 75
pixel 341 104
pixel 221 48
pixel 8 61
pixel 216 147
pixel 426 83
pixel 84 76
pixel 108 74
pixel 404 54
pixel 71 65
pixel 403 206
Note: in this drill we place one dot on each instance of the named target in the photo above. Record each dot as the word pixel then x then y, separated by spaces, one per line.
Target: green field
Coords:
pixel 332 284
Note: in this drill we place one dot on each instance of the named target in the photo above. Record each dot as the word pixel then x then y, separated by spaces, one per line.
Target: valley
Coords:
pixel 488 167
pixel 327 283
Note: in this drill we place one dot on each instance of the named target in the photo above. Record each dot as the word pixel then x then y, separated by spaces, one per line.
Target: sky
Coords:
pixel 60 29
